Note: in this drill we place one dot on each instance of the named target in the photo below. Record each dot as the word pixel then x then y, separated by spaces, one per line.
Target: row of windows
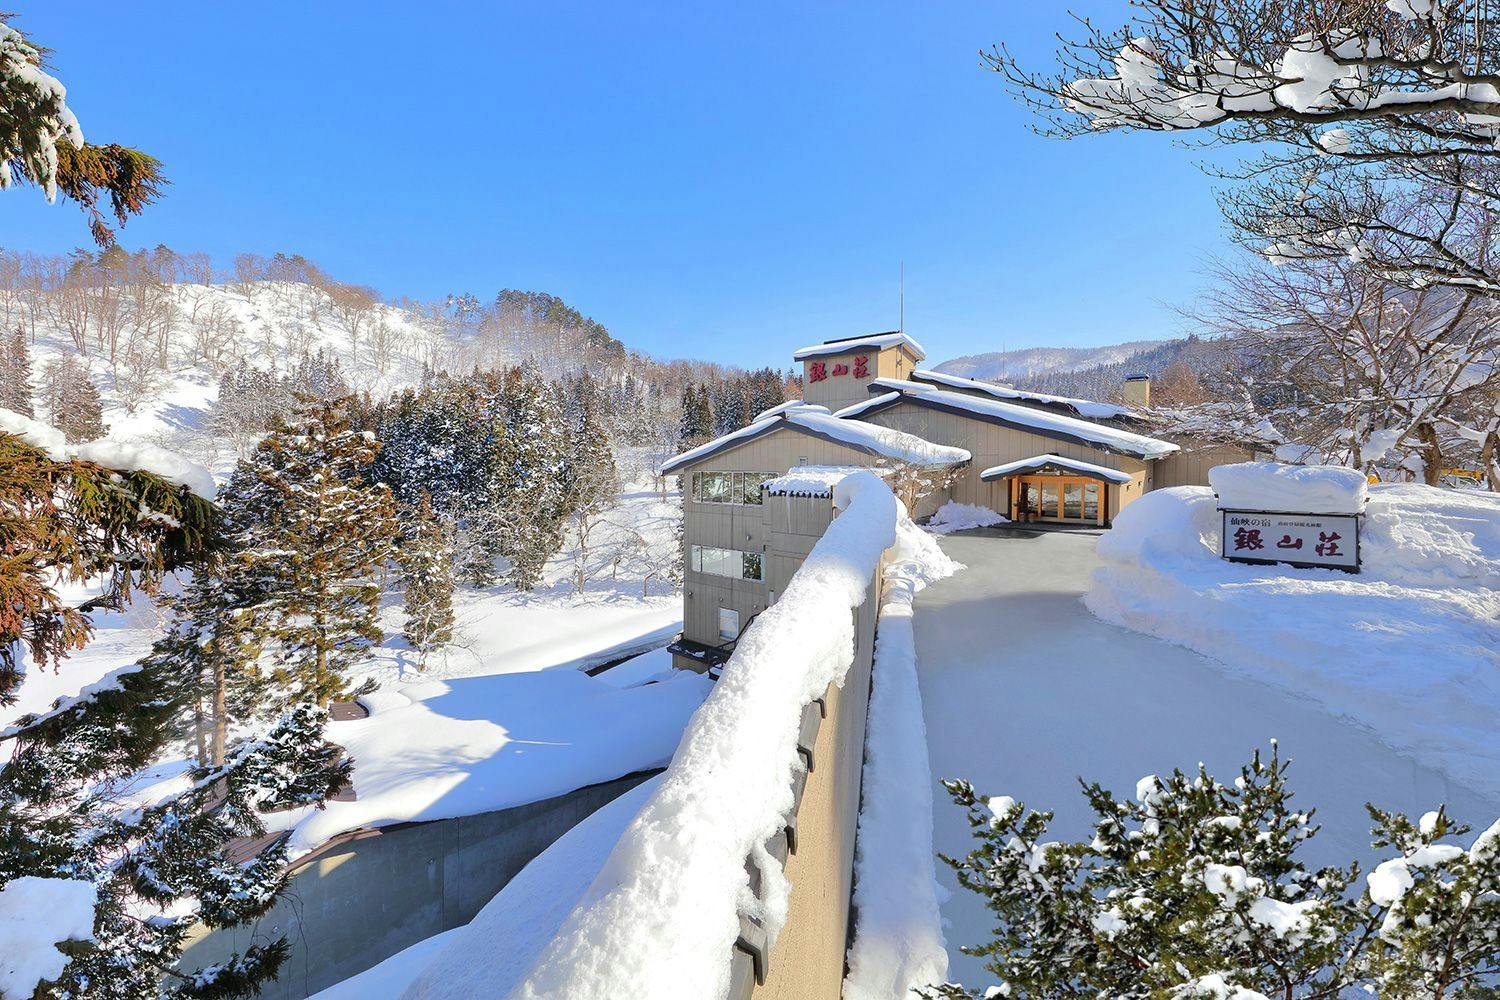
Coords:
pixel 729 487
pixel 732 563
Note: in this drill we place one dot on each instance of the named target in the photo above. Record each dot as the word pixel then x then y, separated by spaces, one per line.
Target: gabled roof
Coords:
pixel 1013 415
pixel 881 442
pixel 874 342
pixel 1039 462
pixel 1086 408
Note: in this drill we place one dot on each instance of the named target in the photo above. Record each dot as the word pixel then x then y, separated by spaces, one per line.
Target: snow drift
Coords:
pixel 1409 648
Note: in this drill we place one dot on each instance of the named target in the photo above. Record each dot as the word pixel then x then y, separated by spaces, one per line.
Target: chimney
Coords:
pixel 1138 391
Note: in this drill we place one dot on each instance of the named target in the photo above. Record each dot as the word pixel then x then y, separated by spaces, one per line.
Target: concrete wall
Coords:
pixel 359 901
pixel 992 445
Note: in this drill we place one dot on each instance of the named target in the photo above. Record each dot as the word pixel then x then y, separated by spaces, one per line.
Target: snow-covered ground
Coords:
pixel 1024 691
pixel 1409 648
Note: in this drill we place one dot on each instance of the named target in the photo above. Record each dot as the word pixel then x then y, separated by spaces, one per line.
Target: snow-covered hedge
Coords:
pixel 663 916
pixel 1408 647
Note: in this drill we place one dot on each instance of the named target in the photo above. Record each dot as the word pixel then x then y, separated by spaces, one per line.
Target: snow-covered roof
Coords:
pixel 1037 462
pixel 788 406
pixel 812 480
pixel 883 442
pixel 875 342
pixel 1027 418
pixel 1080 407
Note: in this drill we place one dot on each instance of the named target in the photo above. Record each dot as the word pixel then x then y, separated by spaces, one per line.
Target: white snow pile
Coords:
pixel 121 456
pixel 814 480
pixel 467 745
pixel 37 914
pixel 1082 407
pixel 1409 648
pixel 663 915
pixel 898 933
pixel 954 516
pixel 1304 489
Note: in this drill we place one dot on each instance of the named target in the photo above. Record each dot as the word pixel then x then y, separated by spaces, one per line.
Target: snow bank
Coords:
pixel 1410 647
pixel 1306 489
pixel 467 745
pixel 898 934
pixel 121 456
pixel 36 914
pixel 664 913
pixel 518 923
pixel 954 516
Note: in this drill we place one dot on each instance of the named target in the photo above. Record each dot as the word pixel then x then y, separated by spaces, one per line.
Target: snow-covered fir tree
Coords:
pixel 71 399
pixel 311 535
pixel 15 374
pixel 526 501
pixel 1197 888
pixel 588 481
pixel 426 559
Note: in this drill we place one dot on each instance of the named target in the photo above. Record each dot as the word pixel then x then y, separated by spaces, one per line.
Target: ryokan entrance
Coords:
pixel 1057 498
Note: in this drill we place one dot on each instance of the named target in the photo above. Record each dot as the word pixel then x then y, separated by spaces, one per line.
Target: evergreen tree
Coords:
pixel 311 535
pixel 41 142
pixel 15 374
pixel 1196 889
pixel 526 502
pixel 72 400
pixel 426 558
pixel 588 481
pixel 696 425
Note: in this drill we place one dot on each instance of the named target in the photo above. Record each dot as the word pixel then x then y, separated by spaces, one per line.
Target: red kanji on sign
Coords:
pixel 1288 542
pixel 817 371
pixel 1328 544
pixel 861 369
pixel 1248 538
pixel 841 369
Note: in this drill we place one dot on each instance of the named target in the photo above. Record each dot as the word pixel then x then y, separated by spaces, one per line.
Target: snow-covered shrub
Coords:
pixel 1195 888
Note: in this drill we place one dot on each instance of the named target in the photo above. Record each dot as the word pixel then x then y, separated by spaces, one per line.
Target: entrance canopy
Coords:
pixel 1054 463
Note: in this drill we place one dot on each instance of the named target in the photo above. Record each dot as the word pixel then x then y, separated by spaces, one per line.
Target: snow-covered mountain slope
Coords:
pixel 267 324
pixel 1007 366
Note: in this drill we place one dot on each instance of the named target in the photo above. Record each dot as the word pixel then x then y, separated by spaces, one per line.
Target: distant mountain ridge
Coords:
pixel 1009 366
pixel 1092 372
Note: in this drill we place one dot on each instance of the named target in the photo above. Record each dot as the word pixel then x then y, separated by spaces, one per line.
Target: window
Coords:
pixel 729 487
pixel 732 563
pixel 729 624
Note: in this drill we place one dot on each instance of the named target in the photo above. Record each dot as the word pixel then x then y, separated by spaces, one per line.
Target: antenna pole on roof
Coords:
pixel 901 310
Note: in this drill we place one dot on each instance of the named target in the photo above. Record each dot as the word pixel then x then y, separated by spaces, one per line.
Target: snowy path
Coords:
pixel 1024 691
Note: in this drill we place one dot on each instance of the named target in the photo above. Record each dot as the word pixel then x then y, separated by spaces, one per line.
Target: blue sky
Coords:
pixel 726 181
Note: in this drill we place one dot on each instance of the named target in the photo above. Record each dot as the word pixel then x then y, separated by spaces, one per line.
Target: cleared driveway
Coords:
pixel 1024 691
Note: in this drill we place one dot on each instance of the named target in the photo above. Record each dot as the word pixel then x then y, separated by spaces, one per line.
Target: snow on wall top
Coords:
pixel 1039 461
pixel 882 441
pixel 1083 407
pixel 790 405
pixel 662 917
pixel 1041 422
pixel 121 456
pixel 812 480
pixel 875 341
pixel 1310 489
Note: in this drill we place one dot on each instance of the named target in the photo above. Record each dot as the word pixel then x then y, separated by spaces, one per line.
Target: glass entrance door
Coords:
pixel 1060 498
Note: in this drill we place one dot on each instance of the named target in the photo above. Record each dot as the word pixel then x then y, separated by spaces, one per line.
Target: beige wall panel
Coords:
pixel 1190 468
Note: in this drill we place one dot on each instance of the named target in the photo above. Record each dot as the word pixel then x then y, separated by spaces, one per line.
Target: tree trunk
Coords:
pixel 1432 454
pixel 1489 460
pixel 220 714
